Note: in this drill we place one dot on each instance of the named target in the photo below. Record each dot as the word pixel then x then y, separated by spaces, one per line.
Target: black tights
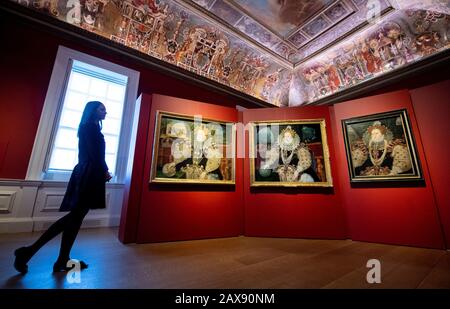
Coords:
pixel 69 225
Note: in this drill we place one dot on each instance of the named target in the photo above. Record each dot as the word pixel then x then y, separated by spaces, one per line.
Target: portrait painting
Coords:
pixel 190 149
pixel 290 154
pixel 381 147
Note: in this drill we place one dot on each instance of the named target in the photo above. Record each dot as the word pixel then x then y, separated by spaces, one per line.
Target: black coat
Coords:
pixel 86 186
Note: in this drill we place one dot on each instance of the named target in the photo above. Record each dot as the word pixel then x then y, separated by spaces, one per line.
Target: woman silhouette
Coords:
pixel 86 190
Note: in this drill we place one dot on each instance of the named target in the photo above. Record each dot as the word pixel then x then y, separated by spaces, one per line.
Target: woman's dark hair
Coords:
pixel 89 114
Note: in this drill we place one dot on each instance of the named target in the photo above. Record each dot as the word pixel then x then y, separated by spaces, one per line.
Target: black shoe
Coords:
pixel 62 266
pixel 22 255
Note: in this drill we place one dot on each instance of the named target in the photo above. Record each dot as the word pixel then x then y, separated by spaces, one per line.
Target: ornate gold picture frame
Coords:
pixel 192 149
pixel 289 154
pixel 381 147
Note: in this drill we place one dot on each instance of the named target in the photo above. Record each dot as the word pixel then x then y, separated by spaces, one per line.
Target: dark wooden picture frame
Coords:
pixel 381 147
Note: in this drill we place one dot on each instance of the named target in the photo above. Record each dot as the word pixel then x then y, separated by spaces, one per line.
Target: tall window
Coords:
pixel 88 83
pixel 76 79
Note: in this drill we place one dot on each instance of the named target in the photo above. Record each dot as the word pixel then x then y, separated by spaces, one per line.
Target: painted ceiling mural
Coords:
pixel 292 29
pixel 404 37
pixel 282 16
pixel 439 6
pixel 168 31
pixel 284 52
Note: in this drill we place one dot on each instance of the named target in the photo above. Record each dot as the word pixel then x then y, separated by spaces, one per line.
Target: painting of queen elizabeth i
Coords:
pixel 190 149
pixel 381 147
pixel 289 154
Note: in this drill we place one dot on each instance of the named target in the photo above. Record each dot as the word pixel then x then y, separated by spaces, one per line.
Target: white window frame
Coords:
pixel 51 113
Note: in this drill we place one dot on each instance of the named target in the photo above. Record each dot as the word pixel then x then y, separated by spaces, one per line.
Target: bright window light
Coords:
pixel 88 83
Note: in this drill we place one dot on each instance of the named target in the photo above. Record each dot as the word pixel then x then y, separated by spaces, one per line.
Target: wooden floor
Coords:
pixel 239 262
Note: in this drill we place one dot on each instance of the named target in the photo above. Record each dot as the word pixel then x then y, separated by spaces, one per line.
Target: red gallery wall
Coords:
pixel 432 109
pixel 27 56
pixel 180 211
pixel 394 213
pixel 293 212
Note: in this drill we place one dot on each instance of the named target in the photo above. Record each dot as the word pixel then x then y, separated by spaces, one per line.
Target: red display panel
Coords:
pixel 293 212
pixel 392 213
pixel 180 211
pixel 432 109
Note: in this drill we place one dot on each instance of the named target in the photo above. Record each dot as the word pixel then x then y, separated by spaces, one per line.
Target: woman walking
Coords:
pixel 85 191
